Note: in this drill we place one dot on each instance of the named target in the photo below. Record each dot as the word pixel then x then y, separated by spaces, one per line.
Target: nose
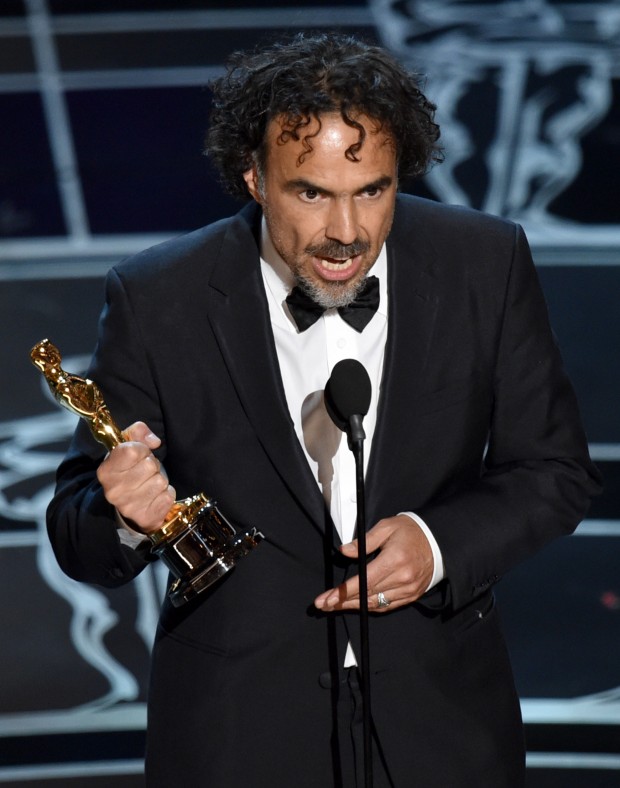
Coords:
pixel 342 222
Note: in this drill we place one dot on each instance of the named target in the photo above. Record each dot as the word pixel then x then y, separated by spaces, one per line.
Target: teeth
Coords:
pixel 339 266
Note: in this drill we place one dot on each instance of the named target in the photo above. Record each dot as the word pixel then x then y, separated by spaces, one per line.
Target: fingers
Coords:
pixel 140 432
pixel 347 597
pixel 134 482
pixel 341 598
pixel 401 571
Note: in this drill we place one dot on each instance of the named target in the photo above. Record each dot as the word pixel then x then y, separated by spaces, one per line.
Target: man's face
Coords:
pixel 327 216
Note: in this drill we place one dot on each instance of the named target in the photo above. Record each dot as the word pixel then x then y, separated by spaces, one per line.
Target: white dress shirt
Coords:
pixel 306 360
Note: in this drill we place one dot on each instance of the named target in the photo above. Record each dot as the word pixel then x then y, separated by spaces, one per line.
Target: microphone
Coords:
pixel 347 398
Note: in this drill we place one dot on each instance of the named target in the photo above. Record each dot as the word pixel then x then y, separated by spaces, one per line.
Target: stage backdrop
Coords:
pixel 103 108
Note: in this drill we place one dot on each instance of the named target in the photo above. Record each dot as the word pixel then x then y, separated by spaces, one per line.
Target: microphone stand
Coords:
pixel 347 399
pixel 356 438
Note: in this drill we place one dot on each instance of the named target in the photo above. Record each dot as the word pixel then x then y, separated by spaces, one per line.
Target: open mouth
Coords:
pixel 333 269
pixel 336 265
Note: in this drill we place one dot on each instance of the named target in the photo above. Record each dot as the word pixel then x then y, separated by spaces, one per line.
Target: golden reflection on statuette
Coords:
pixel 79 395
pixel 196 542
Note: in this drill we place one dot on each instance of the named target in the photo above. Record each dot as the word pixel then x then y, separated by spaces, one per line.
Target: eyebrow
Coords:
pixel 301 184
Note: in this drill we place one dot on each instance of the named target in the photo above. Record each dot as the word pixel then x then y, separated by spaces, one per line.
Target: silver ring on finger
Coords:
pixel 382 600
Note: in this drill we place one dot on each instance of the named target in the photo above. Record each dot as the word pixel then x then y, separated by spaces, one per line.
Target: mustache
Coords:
pixel 339 251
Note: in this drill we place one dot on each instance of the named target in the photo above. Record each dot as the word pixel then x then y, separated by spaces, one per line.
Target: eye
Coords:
pixel 372 191
pixel 310 195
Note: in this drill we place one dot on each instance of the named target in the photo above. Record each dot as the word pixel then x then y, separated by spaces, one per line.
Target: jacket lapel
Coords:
pixel 239 317
pixel 413 301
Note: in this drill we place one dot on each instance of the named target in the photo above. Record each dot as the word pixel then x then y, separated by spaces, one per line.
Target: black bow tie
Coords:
pixel 357 314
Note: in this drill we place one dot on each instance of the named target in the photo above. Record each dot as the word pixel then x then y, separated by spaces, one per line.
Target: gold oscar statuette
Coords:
pixel 196 542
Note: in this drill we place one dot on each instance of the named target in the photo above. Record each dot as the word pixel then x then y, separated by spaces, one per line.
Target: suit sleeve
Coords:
pixel 82 526
pixel 537 478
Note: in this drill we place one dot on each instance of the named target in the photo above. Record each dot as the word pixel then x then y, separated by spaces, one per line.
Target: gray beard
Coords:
pixel 330 295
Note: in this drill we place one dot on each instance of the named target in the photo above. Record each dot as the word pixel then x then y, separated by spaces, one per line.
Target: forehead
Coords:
pixel 326 143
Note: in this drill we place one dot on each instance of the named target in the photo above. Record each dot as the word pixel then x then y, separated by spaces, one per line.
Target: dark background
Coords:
pixel 103 109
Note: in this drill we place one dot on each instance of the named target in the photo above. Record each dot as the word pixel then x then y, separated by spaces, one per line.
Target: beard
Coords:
pixel 332 295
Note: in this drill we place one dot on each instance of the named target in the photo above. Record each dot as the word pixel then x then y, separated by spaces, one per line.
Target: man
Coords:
pixel 477 458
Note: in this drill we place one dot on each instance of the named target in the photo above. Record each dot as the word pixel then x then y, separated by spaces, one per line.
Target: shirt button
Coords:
pixel 341 343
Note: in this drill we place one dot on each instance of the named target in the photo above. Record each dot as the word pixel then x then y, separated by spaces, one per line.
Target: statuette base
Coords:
pixel 202 552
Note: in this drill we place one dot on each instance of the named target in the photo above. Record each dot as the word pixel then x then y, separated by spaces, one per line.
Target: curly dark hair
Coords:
pixel 304 78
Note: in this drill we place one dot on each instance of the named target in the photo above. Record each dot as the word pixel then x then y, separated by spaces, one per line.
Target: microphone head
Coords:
pixel 347 392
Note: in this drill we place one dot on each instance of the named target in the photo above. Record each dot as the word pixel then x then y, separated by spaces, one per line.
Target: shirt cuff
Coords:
pixel 127 535
pixel 439 571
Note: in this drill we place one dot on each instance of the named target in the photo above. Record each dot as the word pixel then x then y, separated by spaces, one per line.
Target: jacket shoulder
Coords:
pixel 437 215
pixel 190 254
pixel 458 238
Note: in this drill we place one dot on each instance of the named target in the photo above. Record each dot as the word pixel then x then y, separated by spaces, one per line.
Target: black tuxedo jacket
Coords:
pixel 478 432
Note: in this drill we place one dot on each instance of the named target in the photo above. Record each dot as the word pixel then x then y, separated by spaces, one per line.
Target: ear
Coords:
pixel 251 179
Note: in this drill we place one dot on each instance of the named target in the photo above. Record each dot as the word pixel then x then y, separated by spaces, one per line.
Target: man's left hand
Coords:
pixel 402 570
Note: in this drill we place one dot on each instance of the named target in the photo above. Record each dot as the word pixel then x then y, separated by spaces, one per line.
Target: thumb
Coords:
pixel 350 549
pixel 375 538
pixel 141 433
